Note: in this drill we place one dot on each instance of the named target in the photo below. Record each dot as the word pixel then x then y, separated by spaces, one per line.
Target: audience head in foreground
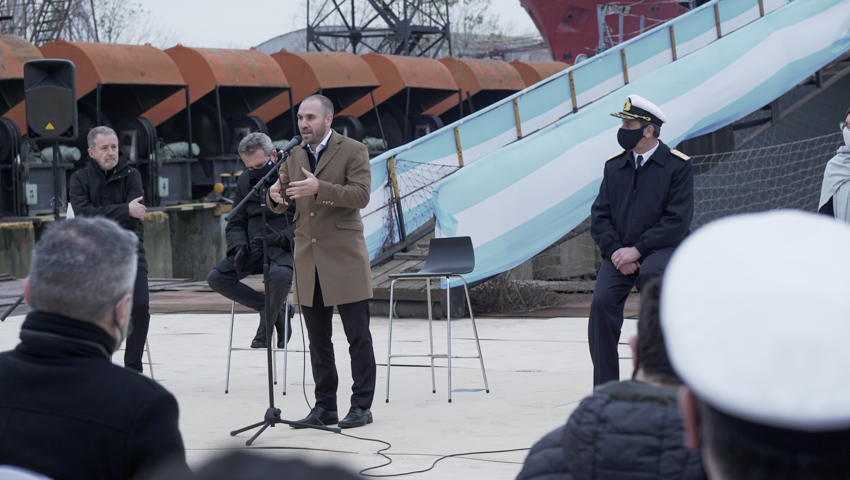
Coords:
pixel 240 465
pixel 756 318
pixel 625 430
pixel 66 411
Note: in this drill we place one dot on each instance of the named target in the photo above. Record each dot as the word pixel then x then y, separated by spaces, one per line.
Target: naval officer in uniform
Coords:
pixel 643 211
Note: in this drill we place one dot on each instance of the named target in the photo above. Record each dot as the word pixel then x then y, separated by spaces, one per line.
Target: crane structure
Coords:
pixel 398 27
pixel 38 21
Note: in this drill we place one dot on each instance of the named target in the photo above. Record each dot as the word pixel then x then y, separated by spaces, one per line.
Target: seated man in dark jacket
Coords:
pixel 244 234
pixel 66 411
pixel 625 430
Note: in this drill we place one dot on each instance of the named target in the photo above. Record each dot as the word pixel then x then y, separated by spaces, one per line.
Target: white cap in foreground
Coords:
pixel 756 314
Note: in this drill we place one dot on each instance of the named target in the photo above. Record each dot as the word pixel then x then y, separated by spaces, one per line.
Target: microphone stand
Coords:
pixel 12 308
pixel 272 415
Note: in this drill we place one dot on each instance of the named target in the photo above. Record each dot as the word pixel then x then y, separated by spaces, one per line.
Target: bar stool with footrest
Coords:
pixel 447 258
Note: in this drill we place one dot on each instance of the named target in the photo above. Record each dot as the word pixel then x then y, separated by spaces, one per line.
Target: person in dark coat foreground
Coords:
pixel 66 411
pixel 625 430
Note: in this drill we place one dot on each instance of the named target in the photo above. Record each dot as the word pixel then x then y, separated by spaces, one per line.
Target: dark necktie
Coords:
pixel 638 162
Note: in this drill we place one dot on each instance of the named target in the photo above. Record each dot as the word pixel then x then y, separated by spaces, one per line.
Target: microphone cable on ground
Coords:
pixel 388 444
pixel 390 460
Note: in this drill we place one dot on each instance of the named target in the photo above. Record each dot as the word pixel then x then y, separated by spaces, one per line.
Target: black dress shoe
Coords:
pixel 259 340
pixel 319 416
pixel 357 417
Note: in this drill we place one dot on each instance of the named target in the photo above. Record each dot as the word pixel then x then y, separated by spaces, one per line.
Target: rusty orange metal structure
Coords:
pixel 115 84
pixel 423 80
pixel 113 81
pixel 14 53
pixel 242 80
pixel 482 82
pixel 534 72
pixel 224 87
pixel 341 76
pixel 409 86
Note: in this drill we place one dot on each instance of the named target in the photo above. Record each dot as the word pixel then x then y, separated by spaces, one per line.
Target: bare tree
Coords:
pixel 114 21
pixel 472 22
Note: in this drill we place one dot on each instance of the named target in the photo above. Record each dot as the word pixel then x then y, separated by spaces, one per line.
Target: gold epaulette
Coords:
pixel 612 157
pixel 679 154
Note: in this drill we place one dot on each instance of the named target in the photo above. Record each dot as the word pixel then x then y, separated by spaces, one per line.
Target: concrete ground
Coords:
pixel 538 370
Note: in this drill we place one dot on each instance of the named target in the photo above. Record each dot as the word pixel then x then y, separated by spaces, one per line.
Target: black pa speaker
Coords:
pixel 50 92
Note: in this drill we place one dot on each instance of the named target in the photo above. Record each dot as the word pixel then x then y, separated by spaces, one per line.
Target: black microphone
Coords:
pixel 289 146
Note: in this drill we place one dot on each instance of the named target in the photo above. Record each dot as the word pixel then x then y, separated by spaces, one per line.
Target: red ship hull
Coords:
pixel 571 28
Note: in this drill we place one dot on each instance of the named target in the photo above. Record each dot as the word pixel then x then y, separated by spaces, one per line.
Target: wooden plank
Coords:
pixel 406 295
pixel 410 256
pixel 400 266
pixel 384 268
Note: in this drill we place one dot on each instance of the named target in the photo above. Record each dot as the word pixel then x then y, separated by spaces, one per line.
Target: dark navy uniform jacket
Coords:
pixel 649 212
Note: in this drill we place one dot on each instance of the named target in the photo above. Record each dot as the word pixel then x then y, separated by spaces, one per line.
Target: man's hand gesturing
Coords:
pixel 303 188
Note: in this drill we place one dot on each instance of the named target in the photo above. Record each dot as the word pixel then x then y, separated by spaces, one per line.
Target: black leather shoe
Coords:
pixel 319 416
pixel 357 417
pixel 259 340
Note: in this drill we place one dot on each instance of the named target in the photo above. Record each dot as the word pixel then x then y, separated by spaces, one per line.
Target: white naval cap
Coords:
pixel 756 314
pixel 639 108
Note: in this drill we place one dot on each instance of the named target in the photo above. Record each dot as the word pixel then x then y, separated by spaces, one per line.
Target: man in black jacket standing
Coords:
pixel 643 211
pixel 244 234
pixel 66 411
pixel 110 187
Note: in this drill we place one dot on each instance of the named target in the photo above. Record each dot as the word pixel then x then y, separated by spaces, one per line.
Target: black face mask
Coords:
pixel 257 174
pixel 628 139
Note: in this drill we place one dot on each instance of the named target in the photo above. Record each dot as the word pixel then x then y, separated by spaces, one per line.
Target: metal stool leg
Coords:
pixel 449 332
pixel 475 331
pixel 390 341
pixel 286 334
pixel 229 346
pixel 273 338
pixel 431 333
pixel 150 363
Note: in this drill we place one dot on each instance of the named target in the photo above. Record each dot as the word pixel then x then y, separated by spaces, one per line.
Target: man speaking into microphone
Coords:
pixel 330 178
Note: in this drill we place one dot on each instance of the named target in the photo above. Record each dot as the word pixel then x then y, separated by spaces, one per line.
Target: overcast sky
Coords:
pixel 245 23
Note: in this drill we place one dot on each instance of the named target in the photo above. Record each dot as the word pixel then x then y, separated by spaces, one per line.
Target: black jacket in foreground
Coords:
pixel 92 195
pixel 651 212
pixel 247 223
pixel 66 411
pixel 625 431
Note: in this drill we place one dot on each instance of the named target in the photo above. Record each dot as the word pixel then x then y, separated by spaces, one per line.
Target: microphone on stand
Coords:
pixel 289 146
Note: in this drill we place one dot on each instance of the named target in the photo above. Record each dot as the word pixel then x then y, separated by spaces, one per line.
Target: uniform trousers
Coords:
pixel 355 322
pixel 606 310
pixel 140 318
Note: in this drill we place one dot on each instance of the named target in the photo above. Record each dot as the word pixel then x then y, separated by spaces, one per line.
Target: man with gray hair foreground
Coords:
pixel 110 187
pixel 66 411
pixel 755 311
